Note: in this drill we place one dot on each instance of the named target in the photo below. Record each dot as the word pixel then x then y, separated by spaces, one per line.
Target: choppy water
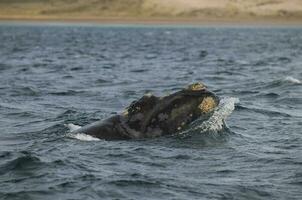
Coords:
pixel 53 75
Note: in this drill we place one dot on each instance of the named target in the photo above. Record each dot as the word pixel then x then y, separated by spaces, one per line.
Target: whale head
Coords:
pixel 155 116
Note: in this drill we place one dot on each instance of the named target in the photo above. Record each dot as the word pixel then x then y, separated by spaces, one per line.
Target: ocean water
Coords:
pixel 58 74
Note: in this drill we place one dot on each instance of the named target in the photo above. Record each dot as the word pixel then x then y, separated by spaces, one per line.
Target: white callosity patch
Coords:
pixel 292 80
pixel 216 121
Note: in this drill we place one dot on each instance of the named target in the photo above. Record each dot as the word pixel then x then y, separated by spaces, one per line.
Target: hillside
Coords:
pixel 152 9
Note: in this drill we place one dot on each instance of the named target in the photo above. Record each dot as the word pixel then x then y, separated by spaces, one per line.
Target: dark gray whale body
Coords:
pixel 153 116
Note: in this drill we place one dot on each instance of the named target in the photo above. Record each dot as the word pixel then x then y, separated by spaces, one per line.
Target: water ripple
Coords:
pixel 54 75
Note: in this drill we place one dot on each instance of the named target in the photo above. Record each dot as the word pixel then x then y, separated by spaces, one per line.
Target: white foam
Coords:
pixel 216 121
pixel 292 80
pixel 82 137
pixel 79 136
pixel 72 127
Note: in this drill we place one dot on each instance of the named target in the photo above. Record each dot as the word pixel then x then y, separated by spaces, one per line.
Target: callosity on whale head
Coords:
pixel 153 116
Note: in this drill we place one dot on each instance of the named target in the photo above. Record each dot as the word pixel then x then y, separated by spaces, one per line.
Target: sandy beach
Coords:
pixel 191 12
pixel 156 21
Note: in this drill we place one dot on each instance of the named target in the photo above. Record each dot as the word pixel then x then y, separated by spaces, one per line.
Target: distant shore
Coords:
pixel 155 12
pixel 268 21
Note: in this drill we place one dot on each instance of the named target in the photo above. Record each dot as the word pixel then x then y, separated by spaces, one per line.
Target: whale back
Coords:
pixel 138 110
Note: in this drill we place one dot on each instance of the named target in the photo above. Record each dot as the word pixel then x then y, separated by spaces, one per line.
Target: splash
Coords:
pixel 216 121
pixel 82 136
pixel 292 80
pixel 79 136
pixel 72 127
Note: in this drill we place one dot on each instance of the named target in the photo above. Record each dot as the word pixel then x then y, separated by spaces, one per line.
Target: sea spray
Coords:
pixel 79 136
pixel 292 80
pixel 72 127
pixel 217 120
pixel 82 136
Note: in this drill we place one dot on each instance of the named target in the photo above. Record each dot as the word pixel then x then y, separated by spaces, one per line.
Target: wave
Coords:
pixel 24 161
pixel 276 83
pixel 265 111
pixel 25 91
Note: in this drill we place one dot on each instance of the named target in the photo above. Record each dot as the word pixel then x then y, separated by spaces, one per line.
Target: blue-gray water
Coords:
pixel 54 75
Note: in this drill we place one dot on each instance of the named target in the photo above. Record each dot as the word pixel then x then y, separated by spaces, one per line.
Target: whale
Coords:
pixel 152 116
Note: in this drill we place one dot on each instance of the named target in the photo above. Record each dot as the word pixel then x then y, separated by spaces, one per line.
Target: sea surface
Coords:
pixel 58 74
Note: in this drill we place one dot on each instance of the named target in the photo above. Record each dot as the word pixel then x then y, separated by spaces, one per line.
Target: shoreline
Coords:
pixel 256 21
